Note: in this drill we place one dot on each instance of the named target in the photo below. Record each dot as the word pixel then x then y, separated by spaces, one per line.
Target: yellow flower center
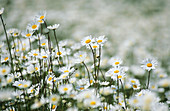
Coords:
pixel 76 75
pixel 9 80
pixel 81 88
pixel 36 68
pixel 135 101
pixel 17 50
pixel 116 71
pixel 149 65
pixel 116 63
pixel 19 84
pixel 119 77
pixel 50 78
pixel 3 71
pixel 87 41
pixel 34 26
pixel 95 46
pixel 65 89
pixel 23 49
pixel 91 81
pixel 6 58
pixel 15 34
pixel 81 55
pixel 100 41
pixel 25 85
pixel 24 57
pixel 44 56
pixel 66 71
pixel 59 53
pixel 54 99
pixel 120 104
pixel 105 107
pixel 135 86
pixel 28 35
pixel 93 102
pixel 32 90
pixel 43 44
pixel 53 106
pixel 41 17
pixel 35 54
pixel 132 81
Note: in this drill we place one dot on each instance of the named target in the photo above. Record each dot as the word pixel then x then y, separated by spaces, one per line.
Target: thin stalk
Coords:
pixel 102 74
pixel 87 72
pixel 148 79
pixel 9 48
pixel 123 94
pixel 99 61
pixel 94 58
pixel 58 48
pixel 117 90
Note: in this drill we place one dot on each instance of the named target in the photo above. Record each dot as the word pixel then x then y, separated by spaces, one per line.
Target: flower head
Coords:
pixel 149 64
pixel 1 11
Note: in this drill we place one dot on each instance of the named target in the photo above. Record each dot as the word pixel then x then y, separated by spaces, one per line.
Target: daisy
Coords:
pixel 67 69
pixel 34 25
pixel 44 55
pixel 87 40
pixel 115 61
pixel 53 27
pixel 64 76
pixel 92 102
pixel 94 46
pixel 34 53
pixel 101 40
pixel 27 33
pixel 1 11
pixel 4 70
pixel 44 43
pixel 4 58
pixel 135 84
pixel 149 64
pixel 106 91
pixel 16 33
pixel 80 56
pixel 30 69
pixel 10 78
pixel 22 84
pixel 38 103
pixel 65 88
pixel 40 17
pixel 60 53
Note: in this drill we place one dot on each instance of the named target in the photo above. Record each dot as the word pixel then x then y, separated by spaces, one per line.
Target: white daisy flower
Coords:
pixel 34 25
pixel 27 33
pixel 92 102
pixel 101 40
pixel 40 17
pixel 4 70
pixel 80 56
pixel 115 61
pixel 53 27
pixel 1 11
pixel 149 64
pixel 65 88
pixel 22 84
pixel 87 40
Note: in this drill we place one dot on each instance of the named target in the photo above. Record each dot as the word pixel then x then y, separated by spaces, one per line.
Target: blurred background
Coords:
pixel 136 29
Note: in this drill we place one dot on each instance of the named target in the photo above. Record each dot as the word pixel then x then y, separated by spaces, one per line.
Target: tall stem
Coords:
pixel 148 79
pixel 58 48
pixel 87 72
pixel 9 48
pixel 123 94
pixel 99 61
pixel 117 90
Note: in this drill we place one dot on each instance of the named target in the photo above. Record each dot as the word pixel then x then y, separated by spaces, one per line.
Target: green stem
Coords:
pixel 123 94
pixel 148 79
pixel 87 72
pixel 9 48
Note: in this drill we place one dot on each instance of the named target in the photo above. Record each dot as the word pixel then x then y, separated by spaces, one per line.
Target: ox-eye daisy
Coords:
pixel 87 40
pixel 40 17
pixel 4 70
pixel 92 102
pixel 22 84
pixel 53 27
pixel 34 25
pixel 149 64
pixel 65 88
pixel 27 33
pixel 101 40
